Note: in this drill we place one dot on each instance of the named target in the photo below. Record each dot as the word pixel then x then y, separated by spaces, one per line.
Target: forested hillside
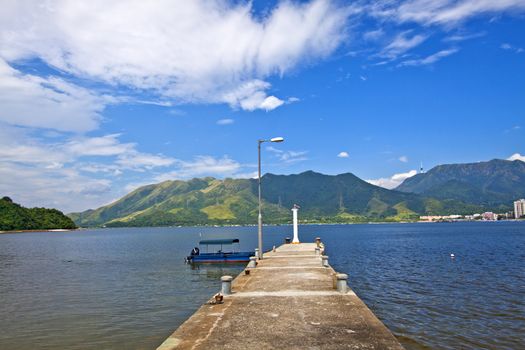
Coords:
pixel 15 217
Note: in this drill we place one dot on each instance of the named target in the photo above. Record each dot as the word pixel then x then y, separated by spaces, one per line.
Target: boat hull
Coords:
pixel 220 257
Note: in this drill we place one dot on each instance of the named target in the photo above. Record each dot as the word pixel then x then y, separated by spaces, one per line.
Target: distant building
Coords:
pixel 519 208
pixel 489 216
pixel 431 218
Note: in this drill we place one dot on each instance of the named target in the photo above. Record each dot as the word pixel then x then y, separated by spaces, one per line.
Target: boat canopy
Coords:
pixel 219 241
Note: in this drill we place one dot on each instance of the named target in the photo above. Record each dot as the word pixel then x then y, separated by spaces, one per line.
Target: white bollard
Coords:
pixel 253 262
pixel 257 252
pixel 342 279
pixel 226 285
pixel 324 261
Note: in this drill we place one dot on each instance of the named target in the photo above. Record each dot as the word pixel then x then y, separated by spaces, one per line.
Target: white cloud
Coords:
pixel 463 36
pixel 107 145
pixel 17 146
pixel 288 157
pixel 343 154
pixel 86 172
pixel 192 52
pixel 517 156
pixel 429 59
pixel 29 100
pixel 53 187
pixel 270 102
pixel 202 166
pixel 143 161
pixel 70 175
pixel 509 47
pixel 247 175
pixel 393 181
pixel 226 121
pixel 251 96
pixel 373 34
pixel 403 159
pixel 443 12
pixel 402 43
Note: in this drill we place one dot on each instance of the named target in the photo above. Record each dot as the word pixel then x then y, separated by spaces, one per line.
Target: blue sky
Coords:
pixel 97 99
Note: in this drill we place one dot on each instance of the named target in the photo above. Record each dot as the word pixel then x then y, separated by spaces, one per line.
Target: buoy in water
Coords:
pixel 452 255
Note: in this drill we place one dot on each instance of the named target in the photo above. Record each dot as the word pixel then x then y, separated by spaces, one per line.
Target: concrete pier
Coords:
pixel 288 301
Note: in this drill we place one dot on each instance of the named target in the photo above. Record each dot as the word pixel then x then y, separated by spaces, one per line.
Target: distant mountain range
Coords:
pixel 494 184
pixel 15 217
pixel 445 189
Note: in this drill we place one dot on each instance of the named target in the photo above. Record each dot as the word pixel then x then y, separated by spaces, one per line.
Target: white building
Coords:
pixel 519 208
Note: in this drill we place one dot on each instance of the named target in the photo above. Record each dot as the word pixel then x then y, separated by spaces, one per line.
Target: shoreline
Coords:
pixel 43 230
pixel 315 224
pixel 254 225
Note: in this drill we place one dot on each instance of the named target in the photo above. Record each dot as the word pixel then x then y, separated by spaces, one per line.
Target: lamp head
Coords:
pixel 277 139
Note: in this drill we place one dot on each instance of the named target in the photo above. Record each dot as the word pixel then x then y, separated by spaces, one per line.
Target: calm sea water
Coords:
pixel 129 288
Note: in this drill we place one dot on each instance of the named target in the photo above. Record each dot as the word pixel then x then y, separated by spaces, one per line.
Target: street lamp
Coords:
pixel 275 139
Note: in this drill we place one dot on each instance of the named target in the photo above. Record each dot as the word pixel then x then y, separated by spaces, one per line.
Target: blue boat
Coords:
pixel 223 250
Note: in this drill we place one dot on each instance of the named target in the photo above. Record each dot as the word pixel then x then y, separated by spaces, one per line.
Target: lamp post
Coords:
pixel 275 139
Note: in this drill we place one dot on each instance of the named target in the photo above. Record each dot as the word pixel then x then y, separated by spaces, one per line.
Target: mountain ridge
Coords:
pixel 492 184
pixel 323 198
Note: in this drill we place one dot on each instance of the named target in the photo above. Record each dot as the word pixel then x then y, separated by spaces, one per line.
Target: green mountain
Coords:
pixel 15 217
pixel 323 198
pixel 493 185
pixel 197 201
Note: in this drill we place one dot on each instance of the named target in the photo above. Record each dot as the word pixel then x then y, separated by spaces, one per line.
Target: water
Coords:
pixel 129 288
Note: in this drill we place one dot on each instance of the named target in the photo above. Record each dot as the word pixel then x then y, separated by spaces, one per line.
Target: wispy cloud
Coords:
pixel 509 47
pixel 52 103
pixel 288 156
pixel 403 159
pixel 71 175
pixel 429 59
pixel 393 181
pixel 463 36
pixel 441 12
pixel 53 187
pixel 514 128
pixel 226 121
pixel 343 154
pixel 402 43
pixel 201 166
pixel 373 35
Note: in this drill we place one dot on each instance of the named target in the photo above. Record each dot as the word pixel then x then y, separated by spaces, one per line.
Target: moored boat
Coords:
pixel 223 250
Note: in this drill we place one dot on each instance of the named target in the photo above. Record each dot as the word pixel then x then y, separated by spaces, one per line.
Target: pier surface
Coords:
pixel 287 302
